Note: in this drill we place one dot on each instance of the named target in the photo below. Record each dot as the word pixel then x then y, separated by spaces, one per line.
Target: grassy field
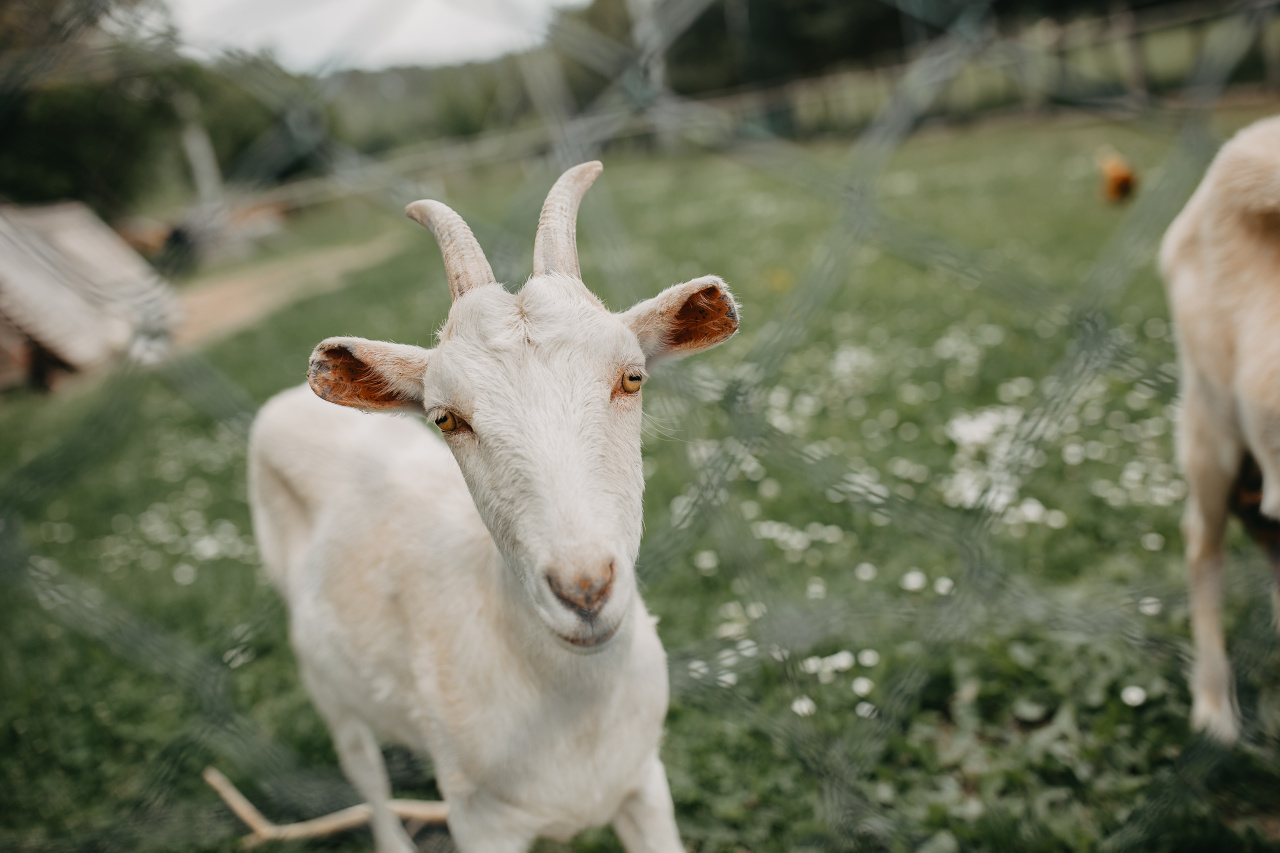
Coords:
pixel 921 588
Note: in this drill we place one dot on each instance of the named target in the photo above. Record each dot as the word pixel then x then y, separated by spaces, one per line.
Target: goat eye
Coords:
pixel 631 382
pixel 448 422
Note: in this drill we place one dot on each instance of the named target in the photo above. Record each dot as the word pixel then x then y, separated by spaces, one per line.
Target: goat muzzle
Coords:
pixel 585 593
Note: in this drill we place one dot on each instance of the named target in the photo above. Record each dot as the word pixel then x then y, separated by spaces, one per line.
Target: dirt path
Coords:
pixel 223 304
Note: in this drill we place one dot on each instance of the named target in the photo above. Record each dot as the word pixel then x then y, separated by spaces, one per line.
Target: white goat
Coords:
pixel 475 597
pixel 1221 263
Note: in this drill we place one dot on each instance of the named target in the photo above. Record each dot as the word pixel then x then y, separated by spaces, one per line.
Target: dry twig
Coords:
pixel 420 811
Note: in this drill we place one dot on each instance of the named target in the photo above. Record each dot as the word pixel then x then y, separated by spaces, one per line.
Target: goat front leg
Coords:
pixel 1211 463
pixel 479 823
pixel 646 820
pixel 361 760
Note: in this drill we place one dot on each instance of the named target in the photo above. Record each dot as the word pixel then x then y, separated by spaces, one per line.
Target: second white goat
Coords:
pixel 1221 264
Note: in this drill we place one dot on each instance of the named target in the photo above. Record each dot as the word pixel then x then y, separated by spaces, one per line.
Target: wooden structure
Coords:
pixel 74 296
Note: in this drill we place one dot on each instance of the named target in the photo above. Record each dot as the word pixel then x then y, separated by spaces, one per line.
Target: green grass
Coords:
pixel 993 716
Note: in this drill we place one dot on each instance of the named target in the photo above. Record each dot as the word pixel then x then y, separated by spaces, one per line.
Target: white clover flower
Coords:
pixel 206 548
pixel 863 685
pixel 731 631
pixel 841 661
pixel 914 580
pixel 803 706
pixel 732 610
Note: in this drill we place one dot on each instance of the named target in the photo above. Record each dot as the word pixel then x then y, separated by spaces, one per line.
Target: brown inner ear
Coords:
pixel 707 317
pixel 340 377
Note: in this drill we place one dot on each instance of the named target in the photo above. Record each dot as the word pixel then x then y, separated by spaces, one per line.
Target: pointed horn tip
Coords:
pixel 582 175
pixel 420 211
pixel 589 170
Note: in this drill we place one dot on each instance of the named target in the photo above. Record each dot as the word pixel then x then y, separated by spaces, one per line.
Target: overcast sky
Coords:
pixel 322 35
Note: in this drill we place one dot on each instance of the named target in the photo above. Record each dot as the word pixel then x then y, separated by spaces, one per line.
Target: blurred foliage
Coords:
pixel 101 138
pixel 94 143
pixel 234 118
pixel 737 43
pixel 98 137
pixel 741 42
pixel 79 140
pixel 100 141
pixel 732 45
pixel 28 25
pixel 385 109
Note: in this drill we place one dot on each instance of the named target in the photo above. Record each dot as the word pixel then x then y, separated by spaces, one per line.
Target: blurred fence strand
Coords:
pixel 985 591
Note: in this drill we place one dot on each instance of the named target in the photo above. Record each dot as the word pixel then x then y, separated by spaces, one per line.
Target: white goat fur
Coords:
pixel 1221 264
pixel 475 597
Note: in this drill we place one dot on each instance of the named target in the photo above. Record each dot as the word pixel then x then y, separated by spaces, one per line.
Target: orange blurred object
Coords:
pixel 1119 180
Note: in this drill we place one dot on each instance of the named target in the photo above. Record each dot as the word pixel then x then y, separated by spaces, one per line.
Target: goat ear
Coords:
pixel 369 375
pixel 684 318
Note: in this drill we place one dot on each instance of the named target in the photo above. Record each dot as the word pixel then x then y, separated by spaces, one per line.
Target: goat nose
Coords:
pixel 584 593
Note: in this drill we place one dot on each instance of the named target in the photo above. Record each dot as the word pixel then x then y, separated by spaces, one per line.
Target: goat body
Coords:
pixel 474 596
pixel 1221 263
pixel 404 619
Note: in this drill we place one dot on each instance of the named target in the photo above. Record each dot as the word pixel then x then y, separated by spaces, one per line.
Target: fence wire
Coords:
pixel 767 626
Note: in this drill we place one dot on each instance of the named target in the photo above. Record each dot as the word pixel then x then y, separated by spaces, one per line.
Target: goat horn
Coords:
pixel 555 249
pixel 464 260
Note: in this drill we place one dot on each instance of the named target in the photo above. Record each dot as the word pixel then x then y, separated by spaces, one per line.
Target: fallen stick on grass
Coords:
pixel 421 811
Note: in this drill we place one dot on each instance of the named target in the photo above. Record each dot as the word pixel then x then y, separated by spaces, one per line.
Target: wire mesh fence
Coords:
pixel 886 632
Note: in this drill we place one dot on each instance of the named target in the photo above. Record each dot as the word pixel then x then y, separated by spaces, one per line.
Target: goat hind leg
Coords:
pixel 1263 428
pixel 1261 423
pixel 1211 472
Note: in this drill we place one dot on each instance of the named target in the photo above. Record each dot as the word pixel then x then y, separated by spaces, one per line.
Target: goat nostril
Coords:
pixel 586 593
